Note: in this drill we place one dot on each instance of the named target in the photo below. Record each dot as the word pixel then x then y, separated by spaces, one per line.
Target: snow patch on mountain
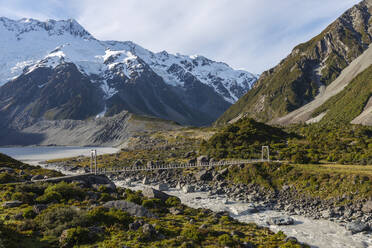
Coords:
pixel 29 44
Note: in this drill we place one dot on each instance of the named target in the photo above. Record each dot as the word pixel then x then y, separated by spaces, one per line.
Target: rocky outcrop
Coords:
pixel 129 207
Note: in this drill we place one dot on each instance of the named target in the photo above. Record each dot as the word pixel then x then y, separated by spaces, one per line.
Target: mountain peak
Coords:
pixel 51 26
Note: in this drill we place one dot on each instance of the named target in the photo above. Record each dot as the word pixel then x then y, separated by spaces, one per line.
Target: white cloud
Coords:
pixel 249 34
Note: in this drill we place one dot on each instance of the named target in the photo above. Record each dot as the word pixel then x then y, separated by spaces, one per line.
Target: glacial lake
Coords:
pixel 35 154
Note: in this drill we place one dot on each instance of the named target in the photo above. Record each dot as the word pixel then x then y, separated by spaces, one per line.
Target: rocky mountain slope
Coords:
pixel 57 70
pixel 309 69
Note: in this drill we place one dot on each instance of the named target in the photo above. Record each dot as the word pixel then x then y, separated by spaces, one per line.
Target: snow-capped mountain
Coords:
pixel 30 47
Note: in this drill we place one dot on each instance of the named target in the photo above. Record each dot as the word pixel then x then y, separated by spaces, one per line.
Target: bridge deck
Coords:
pixel 178 166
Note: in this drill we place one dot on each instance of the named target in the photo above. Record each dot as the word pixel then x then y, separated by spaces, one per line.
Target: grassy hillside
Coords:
pixel 243 139
pixel 12 170
pixel 349 103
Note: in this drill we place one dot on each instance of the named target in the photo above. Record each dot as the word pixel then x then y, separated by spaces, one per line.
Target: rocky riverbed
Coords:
pixel 321 223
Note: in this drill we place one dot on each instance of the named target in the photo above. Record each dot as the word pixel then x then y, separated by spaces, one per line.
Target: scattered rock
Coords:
pixel 224 172
pixel 37 177
pixel 130 207
pixel 356 227
pixel 148 229
pixel 145 181
pixel 162 187
pixel 282 220
pixel 175 211
pixel 153 193
pixel 290 239
pixel 204 176
pixel 367 207
pixel 188 188
pixel 202 160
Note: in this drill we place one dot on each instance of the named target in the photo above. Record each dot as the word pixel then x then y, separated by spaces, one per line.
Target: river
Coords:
pixel 36 154
pixel 317 233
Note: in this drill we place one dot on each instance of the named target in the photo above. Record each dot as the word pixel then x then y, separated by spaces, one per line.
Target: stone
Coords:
pixel 192 161
pixel 224 172
pixel 179 185
pixel 129 207
pixel 153 193
pixel 237 233
pixel 204 176
pixel 282 220
pixel 202 160
pixel 175 211
pixel 162 187
pixel 367 207
pixel 148 229
pixel 356 227
pixel 12 204
pixel 188 188
pixel 203 226
pixel 145 181
pixel 326 214
pixel 291 239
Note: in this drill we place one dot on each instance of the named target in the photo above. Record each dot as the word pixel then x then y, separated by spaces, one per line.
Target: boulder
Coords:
pixel 367 207
pixel 204 176
pixel 291 239
pixel 192 161
pixel 162 187
pixel 175 211
pixel 37 177
pixel 153 193
pixel 281 220
pixel 188 188
pixel 129 207
pixel 148 229
pixel 224 172
pixel 202 160
pixel 356 227
pixel 12 204
pixel 145 181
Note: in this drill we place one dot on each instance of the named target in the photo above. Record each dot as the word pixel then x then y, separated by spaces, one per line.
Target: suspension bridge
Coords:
pixel 265 157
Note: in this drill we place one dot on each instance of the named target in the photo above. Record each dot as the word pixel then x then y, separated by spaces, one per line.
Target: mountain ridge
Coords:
pixel 191 90
pixel 310 67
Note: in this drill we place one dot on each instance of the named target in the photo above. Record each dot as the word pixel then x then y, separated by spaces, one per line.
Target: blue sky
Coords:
pixel 247 34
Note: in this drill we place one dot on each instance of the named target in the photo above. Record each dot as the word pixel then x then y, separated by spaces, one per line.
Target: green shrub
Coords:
pixel 103 216
pixel 67 190
pixel 49 197
pixel 134 197
pixel 226 240
pixel 152 203
pixel 77 236
pixel 193 234
pixel 53 221
pixel 173 201
pixel 29 213
pixel 25 197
